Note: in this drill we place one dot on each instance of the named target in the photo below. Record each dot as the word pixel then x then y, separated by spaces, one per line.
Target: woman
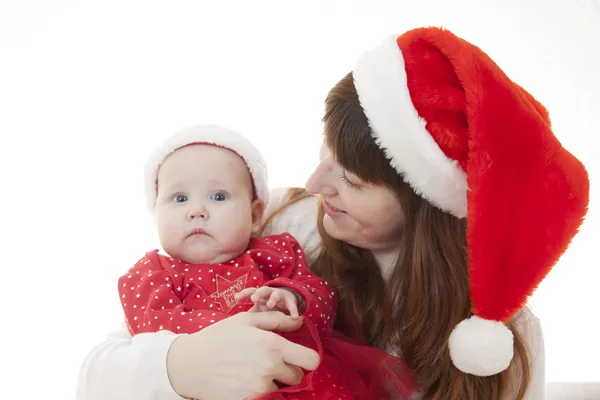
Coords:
pixel 423 267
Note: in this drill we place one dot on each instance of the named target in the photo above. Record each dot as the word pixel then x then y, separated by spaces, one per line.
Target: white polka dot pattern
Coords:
pixel 162 293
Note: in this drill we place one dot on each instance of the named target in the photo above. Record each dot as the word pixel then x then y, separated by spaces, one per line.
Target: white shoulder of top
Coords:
pixel 299 219
pixel 530 330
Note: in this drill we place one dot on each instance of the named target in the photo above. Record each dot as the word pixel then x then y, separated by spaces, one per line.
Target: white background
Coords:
pixel 87 89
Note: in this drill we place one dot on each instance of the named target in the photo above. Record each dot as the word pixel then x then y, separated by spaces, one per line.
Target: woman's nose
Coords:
pixel 320 182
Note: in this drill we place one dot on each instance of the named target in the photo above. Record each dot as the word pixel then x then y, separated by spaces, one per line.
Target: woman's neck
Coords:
pixel 388 258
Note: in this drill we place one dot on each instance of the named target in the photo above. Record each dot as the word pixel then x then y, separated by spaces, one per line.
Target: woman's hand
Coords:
pixel 238 357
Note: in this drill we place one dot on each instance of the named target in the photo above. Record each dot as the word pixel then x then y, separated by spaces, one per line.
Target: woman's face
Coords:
pixel 356 212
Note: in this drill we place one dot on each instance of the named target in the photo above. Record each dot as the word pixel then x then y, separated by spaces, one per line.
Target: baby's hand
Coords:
pixel 268 298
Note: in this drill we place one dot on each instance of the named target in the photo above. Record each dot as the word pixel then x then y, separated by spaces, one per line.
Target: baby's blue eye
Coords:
pixel 180 198
pixel 218 197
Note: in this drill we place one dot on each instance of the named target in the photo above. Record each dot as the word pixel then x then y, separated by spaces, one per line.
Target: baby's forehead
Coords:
pixel 223 176
pixel 205 166
pixel 226 177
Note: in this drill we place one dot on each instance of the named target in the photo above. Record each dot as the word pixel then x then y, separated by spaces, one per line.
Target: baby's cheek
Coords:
pixel 171 238
pixel 233 240
pixel 174 248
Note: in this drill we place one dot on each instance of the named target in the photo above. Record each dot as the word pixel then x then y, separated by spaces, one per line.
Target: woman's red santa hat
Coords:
pixel 478 146
pixel 214 135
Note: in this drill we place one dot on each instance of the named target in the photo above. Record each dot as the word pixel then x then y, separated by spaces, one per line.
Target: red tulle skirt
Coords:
pixel 347 370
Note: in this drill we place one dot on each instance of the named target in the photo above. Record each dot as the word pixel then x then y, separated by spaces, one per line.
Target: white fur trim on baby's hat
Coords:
pixel 481 347
pixel 209 134
pixel 381 84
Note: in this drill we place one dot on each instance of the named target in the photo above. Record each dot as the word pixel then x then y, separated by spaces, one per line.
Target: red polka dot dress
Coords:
pixel 162 293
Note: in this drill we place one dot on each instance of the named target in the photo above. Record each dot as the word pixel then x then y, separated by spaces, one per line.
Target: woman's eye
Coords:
pixel 347 182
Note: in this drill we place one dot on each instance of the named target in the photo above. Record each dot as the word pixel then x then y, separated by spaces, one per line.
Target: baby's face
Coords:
pixel 204 207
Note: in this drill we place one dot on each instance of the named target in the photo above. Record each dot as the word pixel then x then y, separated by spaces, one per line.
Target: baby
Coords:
pixel 207 188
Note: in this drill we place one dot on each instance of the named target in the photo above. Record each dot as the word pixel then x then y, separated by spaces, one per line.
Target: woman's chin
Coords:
pixel 333 228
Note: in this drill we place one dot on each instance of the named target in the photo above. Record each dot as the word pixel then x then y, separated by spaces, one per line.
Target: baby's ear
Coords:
pixel 258 210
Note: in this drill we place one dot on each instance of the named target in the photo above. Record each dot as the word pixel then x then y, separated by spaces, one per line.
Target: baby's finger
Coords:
pixel 292 307
pixel 243 294
pixel 262 293
pixel 275 298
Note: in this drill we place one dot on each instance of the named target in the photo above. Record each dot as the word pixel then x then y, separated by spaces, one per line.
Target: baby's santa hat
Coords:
pixel 478 146
pixel 210 135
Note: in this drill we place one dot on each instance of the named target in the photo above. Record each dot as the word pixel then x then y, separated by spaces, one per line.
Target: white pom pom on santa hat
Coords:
pixel 481 347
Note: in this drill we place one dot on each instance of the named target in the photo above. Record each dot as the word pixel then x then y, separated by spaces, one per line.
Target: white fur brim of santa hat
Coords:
pixel 401 132
pixel 477 146
pixel 213 135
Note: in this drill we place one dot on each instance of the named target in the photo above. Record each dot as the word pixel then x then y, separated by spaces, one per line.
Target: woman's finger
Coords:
pixel 267 388
pixel 289 374
pixel 296 354
pixel 268 321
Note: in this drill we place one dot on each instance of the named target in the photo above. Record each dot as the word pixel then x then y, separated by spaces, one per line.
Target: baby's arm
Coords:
pixel 152 295
pixel 320 299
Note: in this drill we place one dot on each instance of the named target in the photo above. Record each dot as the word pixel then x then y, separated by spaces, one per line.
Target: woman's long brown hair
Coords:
pixel 428 293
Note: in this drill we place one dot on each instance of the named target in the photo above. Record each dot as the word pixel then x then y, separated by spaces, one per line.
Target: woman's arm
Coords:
pixel 233 359
pixel 535 341
pixel 126 368
pixel 530 329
